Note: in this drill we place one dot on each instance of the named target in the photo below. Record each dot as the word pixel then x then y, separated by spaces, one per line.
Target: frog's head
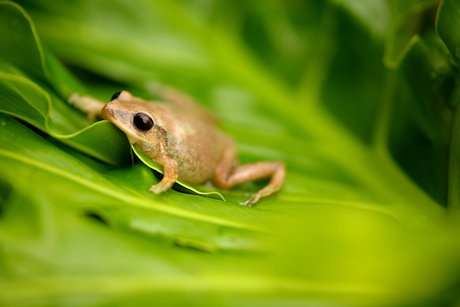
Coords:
pixel 132 116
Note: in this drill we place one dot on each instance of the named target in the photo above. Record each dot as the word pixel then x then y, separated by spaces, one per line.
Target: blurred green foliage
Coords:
pixel 357 97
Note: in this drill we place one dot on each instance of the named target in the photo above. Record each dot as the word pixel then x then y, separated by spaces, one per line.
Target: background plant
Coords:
pixel 359 99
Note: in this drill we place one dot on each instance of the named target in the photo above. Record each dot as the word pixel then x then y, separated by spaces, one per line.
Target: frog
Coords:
pixel 184 139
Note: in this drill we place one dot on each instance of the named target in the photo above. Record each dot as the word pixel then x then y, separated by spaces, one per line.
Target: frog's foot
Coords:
pixel 251 201
pixel 90 106
pixel 158 188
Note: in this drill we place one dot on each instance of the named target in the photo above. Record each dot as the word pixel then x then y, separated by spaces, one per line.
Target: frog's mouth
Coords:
pixel 132 138
pixel 109 115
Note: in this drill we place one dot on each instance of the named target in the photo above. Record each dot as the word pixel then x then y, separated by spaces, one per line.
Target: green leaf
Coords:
pixel 43 107
pixel 448 26
pixel 422 118
pixel 34 152
pixel 361 218
pixel 35 90
pixel 405 29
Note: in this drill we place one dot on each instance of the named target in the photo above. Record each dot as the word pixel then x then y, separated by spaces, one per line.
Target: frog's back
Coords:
pixel 195 145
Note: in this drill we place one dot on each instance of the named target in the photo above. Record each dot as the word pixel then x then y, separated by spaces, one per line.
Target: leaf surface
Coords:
pixel 367 147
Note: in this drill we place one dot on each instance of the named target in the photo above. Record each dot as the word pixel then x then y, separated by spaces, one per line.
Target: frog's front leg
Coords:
pixel 90 106
pixel 227 176
pixel 170 174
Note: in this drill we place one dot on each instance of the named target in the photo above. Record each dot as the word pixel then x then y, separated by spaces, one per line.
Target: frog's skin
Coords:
pixel 183 139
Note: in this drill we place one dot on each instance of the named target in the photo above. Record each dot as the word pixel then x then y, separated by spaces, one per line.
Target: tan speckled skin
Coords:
pixel 195 145
pixel 184 141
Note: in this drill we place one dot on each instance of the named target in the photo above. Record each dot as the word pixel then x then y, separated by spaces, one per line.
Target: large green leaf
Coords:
pixel 114 229
pixel 35 89
pixel 34 152
pixel 360 219
pixel 448 26
pixel 41 99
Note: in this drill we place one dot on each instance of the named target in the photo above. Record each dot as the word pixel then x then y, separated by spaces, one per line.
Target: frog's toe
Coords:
pixel 157 189
pixel 251 201
pixel 246 203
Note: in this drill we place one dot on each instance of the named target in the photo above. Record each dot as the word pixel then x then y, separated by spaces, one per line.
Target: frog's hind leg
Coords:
pixel 90 106
pixel 226 176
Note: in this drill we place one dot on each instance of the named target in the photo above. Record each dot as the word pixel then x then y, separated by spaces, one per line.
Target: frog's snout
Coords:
pixel 107 113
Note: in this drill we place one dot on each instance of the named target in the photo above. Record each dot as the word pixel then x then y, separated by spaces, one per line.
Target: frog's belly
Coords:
pixel 197 164
pixel 196 168
pixel 197 153
pixel 191 174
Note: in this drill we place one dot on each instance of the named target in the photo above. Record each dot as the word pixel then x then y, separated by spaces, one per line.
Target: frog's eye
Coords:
pixel 115 96
pixel 142 121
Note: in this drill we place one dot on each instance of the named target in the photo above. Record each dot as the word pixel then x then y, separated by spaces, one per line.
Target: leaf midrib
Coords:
pixel 222 283
pixel 131 199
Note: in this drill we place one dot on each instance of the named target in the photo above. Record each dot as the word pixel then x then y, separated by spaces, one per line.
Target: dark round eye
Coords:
pixel 115 96
pixel 142 121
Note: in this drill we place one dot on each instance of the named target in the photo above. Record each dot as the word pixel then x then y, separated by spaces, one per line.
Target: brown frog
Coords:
pixel 183 138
